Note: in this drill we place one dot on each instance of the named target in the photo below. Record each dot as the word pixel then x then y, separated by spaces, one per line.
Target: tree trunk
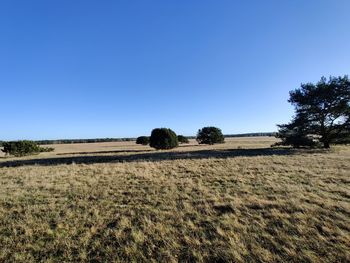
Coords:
pixel 326 145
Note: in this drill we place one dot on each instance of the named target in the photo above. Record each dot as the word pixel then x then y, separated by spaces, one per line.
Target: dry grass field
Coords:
pixel 241 201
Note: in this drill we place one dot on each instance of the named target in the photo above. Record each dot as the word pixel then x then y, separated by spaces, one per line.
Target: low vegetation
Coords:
pixel 235 202
pixel 144 140
pixel 23 148
pixel 182 139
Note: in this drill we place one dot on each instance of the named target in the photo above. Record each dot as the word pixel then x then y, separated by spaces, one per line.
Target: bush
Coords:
pixel 210 135
pixel 163 138
pixel 144 140
pixel 46 149
pixel 22 148
pixel 182 139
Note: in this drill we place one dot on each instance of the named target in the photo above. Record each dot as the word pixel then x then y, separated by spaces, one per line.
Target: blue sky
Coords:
pixel 87 69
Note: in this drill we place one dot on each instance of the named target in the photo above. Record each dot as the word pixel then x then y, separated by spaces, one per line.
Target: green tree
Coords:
pixel 295 134
pixel 210 135
pixel 322 113
pixel 163 138
pixel 144 140
pixel 182 139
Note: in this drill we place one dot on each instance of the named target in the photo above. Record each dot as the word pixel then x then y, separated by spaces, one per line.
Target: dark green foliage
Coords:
pixel 210 135
pixel 47 149
pixel 144 140
pixel 182 139
pixel 294 135
pixel 343 138
pixel 252 134
pixel 322 111
pixel 163 138
pixel 22 148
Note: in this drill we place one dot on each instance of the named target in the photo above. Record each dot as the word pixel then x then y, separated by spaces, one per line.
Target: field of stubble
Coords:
pixel 118 202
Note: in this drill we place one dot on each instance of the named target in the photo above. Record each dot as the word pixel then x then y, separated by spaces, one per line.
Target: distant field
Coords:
pixel 119 202
pixel 106 147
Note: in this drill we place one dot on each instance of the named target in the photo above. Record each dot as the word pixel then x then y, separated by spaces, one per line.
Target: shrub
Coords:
pixel 47 149
pixel 182 139
pixel 144 140
pixel 210 135
pixel 163 138
pixel 22 148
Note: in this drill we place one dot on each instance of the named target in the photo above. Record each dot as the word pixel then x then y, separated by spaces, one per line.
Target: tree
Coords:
pixel 22 148
pixel 163 138
pixel 295 134
pixel 182 139
pixel 210 135
pixel 144 140
pixel 322 113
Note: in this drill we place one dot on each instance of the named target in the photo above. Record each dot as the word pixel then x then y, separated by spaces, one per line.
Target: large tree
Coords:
pixel 322 111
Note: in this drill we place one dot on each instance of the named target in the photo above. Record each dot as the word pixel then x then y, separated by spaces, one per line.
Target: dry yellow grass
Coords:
pixel 235 202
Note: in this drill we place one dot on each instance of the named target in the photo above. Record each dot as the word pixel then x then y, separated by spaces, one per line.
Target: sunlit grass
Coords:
pixel 267 208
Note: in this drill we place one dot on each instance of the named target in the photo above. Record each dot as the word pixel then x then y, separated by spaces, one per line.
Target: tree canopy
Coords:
pixel 144 140
pixel 182 139
pixel 322 114
pixel 163 138
pixel 210 135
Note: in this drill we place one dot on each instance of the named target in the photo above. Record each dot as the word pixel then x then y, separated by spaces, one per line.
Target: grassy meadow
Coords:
pixel 241 201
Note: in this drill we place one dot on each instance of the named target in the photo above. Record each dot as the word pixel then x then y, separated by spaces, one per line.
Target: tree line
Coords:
pixel 68 141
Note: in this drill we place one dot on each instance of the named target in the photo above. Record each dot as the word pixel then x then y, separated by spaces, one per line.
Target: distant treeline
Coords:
pixel 67 141
pixel 251 134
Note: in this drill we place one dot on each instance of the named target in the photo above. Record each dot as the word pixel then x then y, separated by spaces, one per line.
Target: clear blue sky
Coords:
pixel 87 69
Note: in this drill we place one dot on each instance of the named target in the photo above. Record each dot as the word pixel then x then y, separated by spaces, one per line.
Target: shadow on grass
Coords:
pixel 100 152
pixel 150 156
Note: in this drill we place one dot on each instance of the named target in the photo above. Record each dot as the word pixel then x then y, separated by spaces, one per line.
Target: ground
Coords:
pixel 241 201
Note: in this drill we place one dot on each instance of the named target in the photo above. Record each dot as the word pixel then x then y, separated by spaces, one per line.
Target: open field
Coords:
pixel 119 202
